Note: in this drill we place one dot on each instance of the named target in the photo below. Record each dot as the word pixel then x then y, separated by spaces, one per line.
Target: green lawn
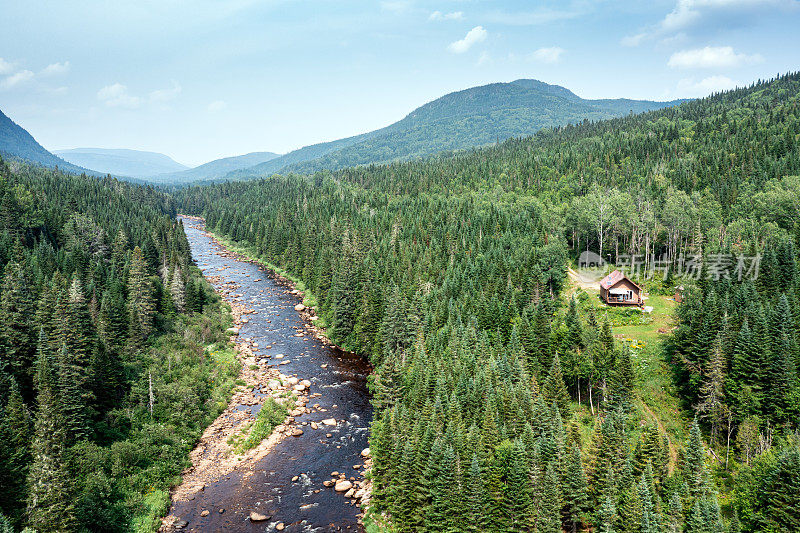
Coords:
pixel 657 400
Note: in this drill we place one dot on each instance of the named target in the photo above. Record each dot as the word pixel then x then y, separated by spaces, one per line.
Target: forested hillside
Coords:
pixel 502 405
pixel 215 169
pixel 465 119
pixel 15 141
pixel 107 374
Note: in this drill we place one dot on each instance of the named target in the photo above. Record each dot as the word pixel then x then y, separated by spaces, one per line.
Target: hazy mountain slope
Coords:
pixel 473 117
pixel 216 169
pixel 15 141
pixel 301 155
pixel 122 162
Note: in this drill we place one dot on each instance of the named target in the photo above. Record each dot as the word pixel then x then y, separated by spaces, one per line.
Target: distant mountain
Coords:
pixel 122 162
pixel 215 169
pixel 465 119
pixel 15 141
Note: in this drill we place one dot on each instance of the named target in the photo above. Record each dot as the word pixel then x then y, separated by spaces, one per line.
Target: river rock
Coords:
pixel 280 526
pixel 299 307
pixel 365 453
pixel 297 432
pixel 342 486
pixel 330 422
pixel 292 381
pixel 306 383
pixel 359 494
pixel 204 513
pixel 274 384
pixel 257 517
pixel 299 387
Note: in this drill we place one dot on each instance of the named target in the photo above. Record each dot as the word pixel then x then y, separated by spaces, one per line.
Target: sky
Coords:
pixel 203 79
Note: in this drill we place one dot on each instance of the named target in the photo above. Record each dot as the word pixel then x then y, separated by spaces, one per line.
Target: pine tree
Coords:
pixel 519 491
pixel 712 394
pixel 15 453
pixel 141 305
pixel 549 520
pixel 694 461
pixel 49 498
pixel 554 390
pixel 17 340
pixel 177 289
pixel 575 489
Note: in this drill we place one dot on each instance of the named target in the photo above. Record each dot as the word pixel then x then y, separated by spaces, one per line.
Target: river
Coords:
pixel 303 505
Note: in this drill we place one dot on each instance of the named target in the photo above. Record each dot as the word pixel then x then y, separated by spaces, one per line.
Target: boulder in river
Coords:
pixel 365 453
pixel 343 485
pixel 299 307
pixel 258 517
pixel 329 421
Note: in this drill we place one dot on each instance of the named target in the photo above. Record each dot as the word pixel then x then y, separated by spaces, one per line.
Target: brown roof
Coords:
pixel 614 278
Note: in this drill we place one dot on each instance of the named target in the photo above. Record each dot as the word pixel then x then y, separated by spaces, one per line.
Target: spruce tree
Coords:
pixel 554 390
pixel 50 504
pixel 17 340
pixel 141 305
pixel 575 489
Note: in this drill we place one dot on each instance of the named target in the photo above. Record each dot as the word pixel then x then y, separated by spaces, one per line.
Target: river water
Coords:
pixel 304 505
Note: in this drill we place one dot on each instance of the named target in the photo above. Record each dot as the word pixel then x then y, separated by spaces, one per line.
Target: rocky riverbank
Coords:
pixel 214 458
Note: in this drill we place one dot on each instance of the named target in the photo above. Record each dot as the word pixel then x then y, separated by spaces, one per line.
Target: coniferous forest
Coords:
pixel 503 402
pixel 106 379
pixel 504 399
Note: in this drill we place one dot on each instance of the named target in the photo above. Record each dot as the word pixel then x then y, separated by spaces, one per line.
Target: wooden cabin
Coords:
pixel 617 289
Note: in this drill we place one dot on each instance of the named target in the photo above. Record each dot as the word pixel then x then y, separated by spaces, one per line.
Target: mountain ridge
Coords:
pixel 469 118
pixel 17 142
pixel 121 161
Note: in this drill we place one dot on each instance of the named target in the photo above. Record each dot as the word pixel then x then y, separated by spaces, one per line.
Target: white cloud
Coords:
pixel 474 36
pixel 538 17
pixel 117 95
pixel 395 6
pixel 165 95
pixel 712 57
pixel 484 59
pixel 705 14
pixel 438 15
pixel 18 78
pixel 706 86
pixel 217 105
pixel 687 12
pixel 550 55
pixel 633 40
pixel 55 68
pixel 6 67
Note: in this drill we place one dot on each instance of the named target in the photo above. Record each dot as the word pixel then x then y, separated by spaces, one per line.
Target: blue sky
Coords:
pixel 204 79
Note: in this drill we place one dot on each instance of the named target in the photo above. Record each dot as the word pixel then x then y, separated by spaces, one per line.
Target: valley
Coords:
pixel 285 480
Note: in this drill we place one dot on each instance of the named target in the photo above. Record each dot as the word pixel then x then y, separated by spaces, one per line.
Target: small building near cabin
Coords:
pixel 618 289
pixel 678 294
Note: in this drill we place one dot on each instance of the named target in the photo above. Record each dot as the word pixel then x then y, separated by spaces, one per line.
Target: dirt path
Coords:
pixel 582 281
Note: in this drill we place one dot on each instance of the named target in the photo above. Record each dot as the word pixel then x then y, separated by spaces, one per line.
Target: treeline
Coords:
pixel 104 379
pixel 448 274
pixel 735 356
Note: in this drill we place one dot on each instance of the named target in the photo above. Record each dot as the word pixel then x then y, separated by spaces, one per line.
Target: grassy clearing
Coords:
pixel 271 414
pixel 657 400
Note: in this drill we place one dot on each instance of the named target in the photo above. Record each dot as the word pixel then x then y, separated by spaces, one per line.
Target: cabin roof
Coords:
pixel 614 278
